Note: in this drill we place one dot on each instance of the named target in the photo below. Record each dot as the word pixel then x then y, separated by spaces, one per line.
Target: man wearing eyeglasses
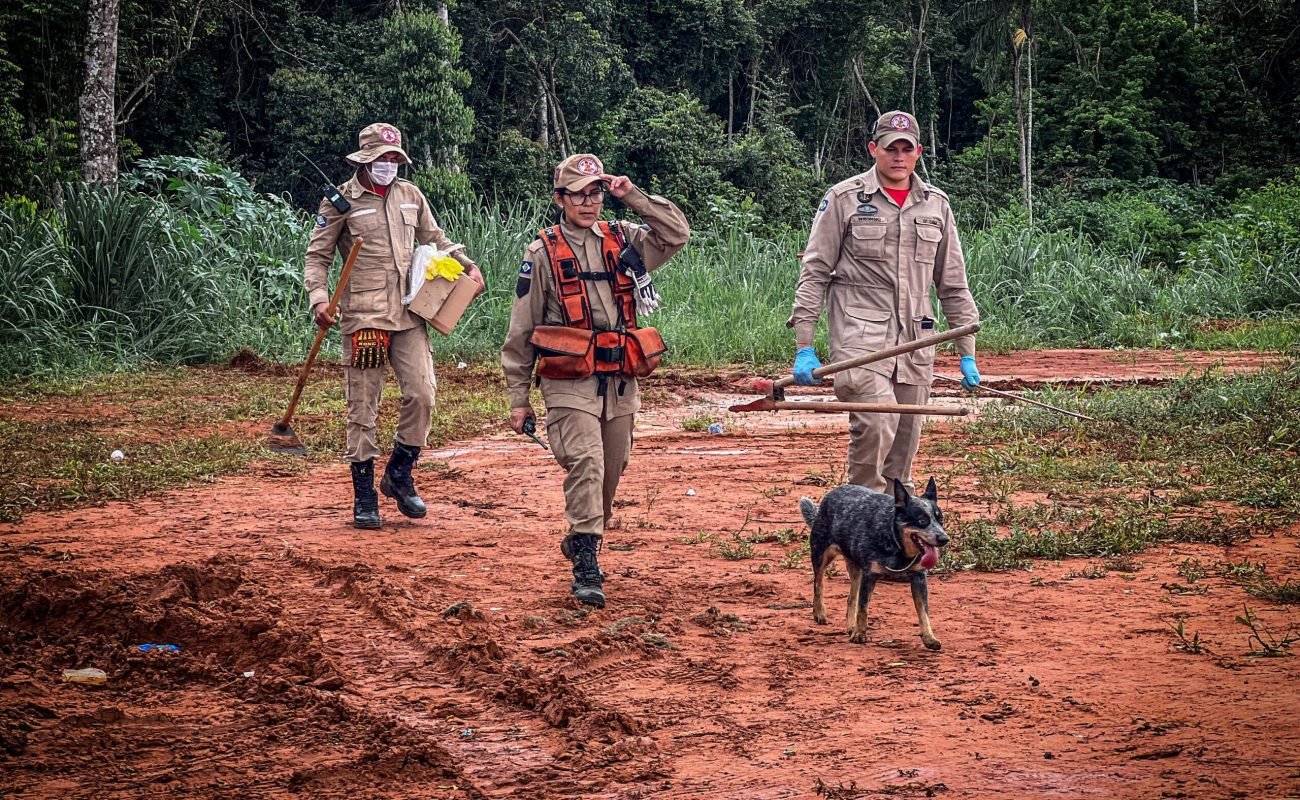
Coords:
pixel 585 281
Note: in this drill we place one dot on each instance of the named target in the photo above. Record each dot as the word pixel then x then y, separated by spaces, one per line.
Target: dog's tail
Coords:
pixel 809 510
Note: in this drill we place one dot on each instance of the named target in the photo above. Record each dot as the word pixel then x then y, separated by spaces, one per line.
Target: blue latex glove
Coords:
pixel 805 361
pixel 970 374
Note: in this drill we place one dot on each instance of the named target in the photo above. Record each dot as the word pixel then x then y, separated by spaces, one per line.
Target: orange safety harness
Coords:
pixel 575 350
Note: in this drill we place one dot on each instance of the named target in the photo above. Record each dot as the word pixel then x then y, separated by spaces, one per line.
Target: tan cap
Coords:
pixel 375 140
pixel 578 171
pixel 894 126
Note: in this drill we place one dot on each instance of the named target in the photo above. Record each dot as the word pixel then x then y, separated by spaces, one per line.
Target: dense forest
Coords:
pixel 710 101
pixel 1124 171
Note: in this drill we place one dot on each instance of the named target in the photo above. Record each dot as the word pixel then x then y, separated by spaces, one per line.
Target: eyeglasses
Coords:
pixel 586 198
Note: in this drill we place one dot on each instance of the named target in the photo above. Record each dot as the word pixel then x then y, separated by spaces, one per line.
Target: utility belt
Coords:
pixel 570 353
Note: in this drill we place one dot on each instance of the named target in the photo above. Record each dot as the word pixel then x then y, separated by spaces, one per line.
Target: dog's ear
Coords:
pixel 900 494
pixel 931 491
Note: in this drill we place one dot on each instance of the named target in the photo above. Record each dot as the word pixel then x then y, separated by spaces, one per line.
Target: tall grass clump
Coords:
pixel 183 263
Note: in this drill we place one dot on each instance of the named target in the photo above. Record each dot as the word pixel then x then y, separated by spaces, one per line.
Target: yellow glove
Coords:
pixel 446 268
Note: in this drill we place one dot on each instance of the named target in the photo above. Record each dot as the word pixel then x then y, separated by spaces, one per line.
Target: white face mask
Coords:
pixel 383 172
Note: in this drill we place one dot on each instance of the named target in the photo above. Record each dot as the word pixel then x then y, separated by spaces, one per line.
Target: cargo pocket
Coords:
pixel 366 291
pixel 868 328
pixel 925 356
pixel 928 236
pixel 867 240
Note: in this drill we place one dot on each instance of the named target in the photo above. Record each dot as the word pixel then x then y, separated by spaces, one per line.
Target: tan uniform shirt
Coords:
pixel 664 233
pixel 390 226
pixel 874 263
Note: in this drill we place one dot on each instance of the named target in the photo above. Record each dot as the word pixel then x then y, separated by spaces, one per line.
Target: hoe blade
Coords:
pixel 284 440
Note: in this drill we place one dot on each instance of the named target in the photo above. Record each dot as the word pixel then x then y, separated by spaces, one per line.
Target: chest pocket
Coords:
pixel 928 237
pixel 364 222
pixel 867 240
pixel 410 216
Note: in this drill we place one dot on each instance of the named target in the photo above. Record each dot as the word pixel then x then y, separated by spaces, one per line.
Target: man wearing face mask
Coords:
pixel 390 215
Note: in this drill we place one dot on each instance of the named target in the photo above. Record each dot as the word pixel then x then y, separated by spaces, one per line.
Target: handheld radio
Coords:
pixel 330 191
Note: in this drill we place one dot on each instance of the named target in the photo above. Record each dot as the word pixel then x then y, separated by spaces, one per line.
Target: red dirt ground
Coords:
pixel 441 658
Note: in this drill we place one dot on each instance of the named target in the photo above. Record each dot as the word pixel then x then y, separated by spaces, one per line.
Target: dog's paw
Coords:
pixel 858 637
pixel 932 643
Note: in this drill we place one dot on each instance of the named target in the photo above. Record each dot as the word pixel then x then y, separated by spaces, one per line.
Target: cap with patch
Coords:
pixel 577 172
pixel 894 126
pixel 375 140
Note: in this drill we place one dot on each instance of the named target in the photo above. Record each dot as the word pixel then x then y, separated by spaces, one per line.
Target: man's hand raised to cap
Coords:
pixel 620 186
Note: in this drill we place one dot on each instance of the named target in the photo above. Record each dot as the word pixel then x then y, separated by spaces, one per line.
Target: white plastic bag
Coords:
pixel 425 255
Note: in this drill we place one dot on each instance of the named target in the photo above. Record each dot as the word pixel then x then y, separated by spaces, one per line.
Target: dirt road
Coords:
pixel 441 658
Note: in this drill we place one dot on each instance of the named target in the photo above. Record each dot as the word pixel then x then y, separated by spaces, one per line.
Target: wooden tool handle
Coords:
pixel 835 406
pixel 320 332
pixel 881 355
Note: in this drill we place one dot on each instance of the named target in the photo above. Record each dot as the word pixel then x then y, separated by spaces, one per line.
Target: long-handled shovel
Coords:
pixel 775 390
pixel 1019 399
pixel 283 439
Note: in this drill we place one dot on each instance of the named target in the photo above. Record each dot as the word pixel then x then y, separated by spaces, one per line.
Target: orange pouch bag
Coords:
pixel 563 352
pixel 644 348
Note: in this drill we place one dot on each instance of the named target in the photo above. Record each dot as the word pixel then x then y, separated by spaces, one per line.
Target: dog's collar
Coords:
pixel 898 531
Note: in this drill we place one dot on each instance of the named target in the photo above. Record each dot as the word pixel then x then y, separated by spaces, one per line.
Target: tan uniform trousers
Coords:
pixel 593 452
pixel 881 446
pixel 412 361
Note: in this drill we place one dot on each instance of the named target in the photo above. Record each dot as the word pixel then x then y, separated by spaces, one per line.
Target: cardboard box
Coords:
pixel 442 302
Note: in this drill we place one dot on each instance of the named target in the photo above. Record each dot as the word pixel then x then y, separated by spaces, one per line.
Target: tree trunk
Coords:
pixel 731 105
pixel 916 54
pixel 442 14
pixel 97 109
pixel 543 118
pixel 1029 131
pixel 753 97
pixel 1020 125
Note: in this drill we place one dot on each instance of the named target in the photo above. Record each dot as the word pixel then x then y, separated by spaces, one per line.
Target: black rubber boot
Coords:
pixel 587 577
pixel 365 503
pixel 398 484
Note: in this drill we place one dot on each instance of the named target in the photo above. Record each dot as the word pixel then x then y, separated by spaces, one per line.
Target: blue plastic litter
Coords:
pixel 166 648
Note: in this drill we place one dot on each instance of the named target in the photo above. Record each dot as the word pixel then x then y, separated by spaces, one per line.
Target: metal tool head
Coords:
pixel 761 404
pixel 284 440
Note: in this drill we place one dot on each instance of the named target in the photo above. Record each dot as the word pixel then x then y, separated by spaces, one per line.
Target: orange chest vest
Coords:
pixel 571 282
pixel 575 349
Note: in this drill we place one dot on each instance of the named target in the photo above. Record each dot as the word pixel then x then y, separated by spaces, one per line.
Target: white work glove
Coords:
pixel 647 299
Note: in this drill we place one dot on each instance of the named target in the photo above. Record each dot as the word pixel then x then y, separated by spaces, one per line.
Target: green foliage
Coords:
pixel 667 142
pixel 417 77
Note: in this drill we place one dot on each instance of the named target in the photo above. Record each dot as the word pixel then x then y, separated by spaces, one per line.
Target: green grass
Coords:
pixel 183 426
pixel 1207 458
pixel 128 279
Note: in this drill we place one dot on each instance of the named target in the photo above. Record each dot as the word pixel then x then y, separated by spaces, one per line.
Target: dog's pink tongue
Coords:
pixel 930 557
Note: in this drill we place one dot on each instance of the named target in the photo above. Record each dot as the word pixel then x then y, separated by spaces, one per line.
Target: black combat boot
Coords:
pixel 365 503
pixel 587 577
pixel 398 484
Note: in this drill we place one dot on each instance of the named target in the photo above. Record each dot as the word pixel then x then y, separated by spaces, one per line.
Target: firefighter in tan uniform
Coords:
pixel 390 215
pixel 879 242
pixel 575 317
